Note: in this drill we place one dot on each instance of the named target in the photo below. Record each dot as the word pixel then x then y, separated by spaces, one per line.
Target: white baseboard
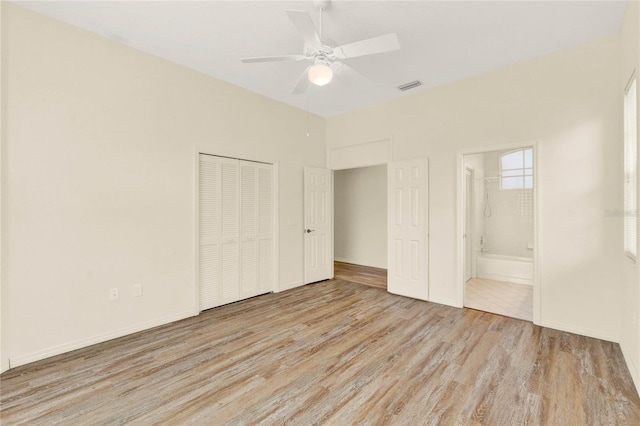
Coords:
pixel 633 369
pixel 597 334
pixel 82 343
pixel 359 262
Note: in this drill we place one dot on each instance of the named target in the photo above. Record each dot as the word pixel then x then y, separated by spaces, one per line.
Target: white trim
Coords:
pixel 469 210
pixel 276 225
pixel 537 235
pixel 333 222
pixel 83 343
pixel 460 178
pixel 360 155
pixel 633 368
pixel 630 82
pixel 196 231
pixel 569 328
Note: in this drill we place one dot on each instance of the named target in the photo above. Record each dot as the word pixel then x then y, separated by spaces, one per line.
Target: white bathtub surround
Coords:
pixel 509 228
pixel 512 269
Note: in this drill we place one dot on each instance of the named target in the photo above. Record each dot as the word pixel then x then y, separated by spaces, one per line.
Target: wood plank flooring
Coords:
pixel 367 275
pixel 335 353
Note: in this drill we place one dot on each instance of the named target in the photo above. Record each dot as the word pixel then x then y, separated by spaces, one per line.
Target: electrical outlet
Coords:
pixel 113 293
pixel 137 290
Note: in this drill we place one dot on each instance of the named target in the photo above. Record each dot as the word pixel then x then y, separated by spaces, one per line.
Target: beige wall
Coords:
pixel 630 312
pixel 99 157
pixel 569 102
pixel 360 216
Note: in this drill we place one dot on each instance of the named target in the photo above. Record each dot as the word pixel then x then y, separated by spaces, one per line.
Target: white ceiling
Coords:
pixel 441 41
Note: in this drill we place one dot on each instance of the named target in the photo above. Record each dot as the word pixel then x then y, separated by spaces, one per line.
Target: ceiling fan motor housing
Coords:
pixel 322 4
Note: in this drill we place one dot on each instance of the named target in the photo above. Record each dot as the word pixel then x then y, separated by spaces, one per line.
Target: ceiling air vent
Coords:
pixel 409 86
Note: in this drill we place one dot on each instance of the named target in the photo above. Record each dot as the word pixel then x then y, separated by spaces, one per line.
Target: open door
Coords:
pixel 318 232
pixel 407 257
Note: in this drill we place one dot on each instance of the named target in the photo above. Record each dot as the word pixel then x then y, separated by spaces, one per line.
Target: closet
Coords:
pixel 235 230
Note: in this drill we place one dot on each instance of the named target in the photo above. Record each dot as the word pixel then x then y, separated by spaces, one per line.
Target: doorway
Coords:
pixel 407 210
pixel 360 225
pixel 498 241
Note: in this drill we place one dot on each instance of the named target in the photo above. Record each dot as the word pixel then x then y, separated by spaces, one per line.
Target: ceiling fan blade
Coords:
pixel 302 84
pixel 345 73
pixel 304 24
pixel 370 46
pixel 273 59
pixel 343 70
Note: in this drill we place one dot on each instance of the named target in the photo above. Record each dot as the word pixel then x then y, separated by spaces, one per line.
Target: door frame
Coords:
pixel 460 179
pixel 196 219
pixel 468 211
pixel 374 153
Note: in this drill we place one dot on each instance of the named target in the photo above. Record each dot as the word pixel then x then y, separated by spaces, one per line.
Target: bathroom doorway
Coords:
pixel 498 231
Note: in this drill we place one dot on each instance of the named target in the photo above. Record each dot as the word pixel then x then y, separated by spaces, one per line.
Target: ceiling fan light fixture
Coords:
pixel 320 74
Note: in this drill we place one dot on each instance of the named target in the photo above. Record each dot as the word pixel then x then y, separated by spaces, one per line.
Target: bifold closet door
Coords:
pixel 230 230
pixel 236 252
pixel 209 231
pixel 256 229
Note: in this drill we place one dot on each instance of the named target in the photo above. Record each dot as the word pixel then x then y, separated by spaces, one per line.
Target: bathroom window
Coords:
pixel 516 169
pixel 630 170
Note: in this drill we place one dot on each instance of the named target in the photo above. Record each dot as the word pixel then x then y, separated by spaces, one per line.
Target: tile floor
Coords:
pixel 499 297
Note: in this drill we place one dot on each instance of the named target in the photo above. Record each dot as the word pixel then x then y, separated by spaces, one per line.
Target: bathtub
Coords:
pixel 504 268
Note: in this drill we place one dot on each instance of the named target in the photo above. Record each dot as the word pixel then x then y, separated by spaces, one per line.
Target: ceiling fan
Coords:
pixel 324 57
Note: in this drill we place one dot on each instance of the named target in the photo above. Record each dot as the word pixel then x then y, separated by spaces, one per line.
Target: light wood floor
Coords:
pixel 367 275
pixel 335 353
pixel 499 297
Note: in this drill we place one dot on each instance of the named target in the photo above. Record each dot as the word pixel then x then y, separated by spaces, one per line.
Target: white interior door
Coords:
pixel 318 232
pixel 408 226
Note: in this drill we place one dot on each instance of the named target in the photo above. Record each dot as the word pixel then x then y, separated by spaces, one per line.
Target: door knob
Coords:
pixel 308 231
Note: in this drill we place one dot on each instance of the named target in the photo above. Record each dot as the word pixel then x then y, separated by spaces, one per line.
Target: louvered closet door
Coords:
pixel 256 235
pixel 209 231
pixel 230 230
pixel 266 249
pixel 236 244
pixel 248 229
